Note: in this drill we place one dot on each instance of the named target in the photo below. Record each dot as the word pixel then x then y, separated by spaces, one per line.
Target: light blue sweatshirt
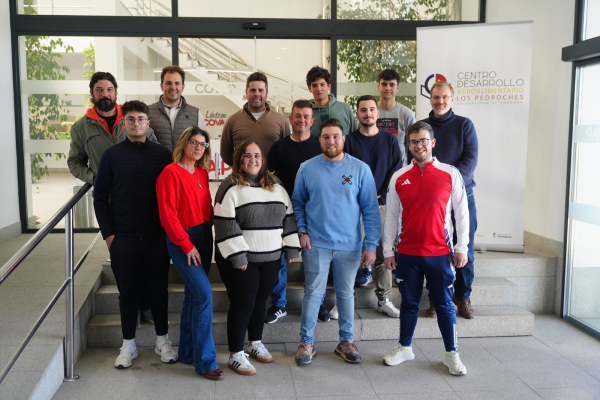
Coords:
pixel 329 199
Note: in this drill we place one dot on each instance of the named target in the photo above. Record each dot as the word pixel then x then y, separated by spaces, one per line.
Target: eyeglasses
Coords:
pixel 444 98
pixel 423 142
pixel 195 143
pixel 140 120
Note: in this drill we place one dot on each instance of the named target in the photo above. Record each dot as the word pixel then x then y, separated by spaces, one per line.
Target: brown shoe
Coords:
pixel 214 375
pixel 465 309
pixel 430 313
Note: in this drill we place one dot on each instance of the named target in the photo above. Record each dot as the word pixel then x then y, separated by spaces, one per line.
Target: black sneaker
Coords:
pixel 274 313
pixel 323 314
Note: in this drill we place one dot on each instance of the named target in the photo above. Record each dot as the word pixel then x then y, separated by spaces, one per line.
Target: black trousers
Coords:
pixel 140 262
pixel 248 292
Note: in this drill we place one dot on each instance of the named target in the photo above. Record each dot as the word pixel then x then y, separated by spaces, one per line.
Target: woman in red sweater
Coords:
pixel 186 213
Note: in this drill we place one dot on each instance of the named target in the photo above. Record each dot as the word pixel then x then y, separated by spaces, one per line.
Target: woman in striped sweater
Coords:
pixel 254 223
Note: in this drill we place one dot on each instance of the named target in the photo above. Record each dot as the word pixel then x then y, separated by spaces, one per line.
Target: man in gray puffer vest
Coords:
pixel 171 115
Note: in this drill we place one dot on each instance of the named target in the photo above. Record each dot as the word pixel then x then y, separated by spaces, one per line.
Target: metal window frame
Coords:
pixel 333 29
pixel 582 53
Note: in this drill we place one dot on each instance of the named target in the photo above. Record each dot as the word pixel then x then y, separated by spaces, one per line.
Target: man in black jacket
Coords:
pixel 127 212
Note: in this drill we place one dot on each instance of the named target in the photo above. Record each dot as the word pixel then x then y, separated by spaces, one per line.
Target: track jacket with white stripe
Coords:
pixel 418 212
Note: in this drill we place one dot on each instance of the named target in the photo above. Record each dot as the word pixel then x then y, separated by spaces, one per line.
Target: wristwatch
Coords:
pixel 302 233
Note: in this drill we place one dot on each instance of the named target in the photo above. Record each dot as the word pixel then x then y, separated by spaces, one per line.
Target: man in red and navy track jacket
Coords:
pixel 420 200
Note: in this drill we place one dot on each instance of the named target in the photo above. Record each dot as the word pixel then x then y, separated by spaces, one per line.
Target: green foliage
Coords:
pixel 89 54
pixel 46 112
pixel 365 59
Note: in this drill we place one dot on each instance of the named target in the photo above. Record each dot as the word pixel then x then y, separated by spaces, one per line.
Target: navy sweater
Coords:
pixel 380 152
pixel 125 189
pixel 285 158
pixel 455 144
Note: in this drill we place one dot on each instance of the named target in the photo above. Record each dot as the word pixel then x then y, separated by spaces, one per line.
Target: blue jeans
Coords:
pixel 279 296
pixel 195 340
pixel 316 268
pixel 464 276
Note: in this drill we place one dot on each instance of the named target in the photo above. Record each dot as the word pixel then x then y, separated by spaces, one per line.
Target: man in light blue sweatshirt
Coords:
pixel 333 193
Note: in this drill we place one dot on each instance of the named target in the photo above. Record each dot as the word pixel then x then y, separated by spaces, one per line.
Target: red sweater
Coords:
pixel 182 203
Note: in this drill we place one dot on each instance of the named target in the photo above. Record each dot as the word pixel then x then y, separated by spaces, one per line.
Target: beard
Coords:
pixel 367 124
pixel 333 153
pixel 104 104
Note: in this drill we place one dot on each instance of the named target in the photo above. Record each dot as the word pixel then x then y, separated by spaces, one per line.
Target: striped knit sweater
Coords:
pixel 253 224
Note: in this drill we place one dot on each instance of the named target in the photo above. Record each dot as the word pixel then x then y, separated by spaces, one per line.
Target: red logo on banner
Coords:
pixel 428 84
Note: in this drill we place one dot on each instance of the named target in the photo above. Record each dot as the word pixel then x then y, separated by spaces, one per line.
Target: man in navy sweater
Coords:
pixel 284 160
pixel 456 144
pixel 127 212
pixel 381 152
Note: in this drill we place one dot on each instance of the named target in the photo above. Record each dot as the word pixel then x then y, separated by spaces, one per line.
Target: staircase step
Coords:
pixel 105 330
pixel 486 291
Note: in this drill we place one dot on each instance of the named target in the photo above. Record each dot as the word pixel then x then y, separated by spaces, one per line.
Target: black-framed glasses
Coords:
pixel 423 142
pixel 196 143
pixel 140 120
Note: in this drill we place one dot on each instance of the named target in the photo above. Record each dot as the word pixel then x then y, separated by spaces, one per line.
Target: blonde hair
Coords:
pixel 441 84
pixel 186 136
pixel 238 177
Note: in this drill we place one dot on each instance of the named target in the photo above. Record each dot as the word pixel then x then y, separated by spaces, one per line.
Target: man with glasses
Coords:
pixel 99 129
pixel 255 120
pixel 420 199
pixel 456 145
pixel 127 212
pixel 171 115
pixel 380 151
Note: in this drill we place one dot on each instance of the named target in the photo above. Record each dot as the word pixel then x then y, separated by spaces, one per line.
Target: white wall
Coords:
pixel 549 109
pixel 9 198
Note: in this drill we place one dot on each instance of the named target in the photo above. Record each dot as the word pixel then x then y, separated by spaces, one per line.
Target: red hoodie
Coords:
pixel 93 114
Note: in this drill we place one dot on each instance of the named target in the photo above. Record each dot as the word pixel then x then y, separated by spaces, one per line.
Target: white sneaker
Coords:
pixel 128 354
pixel 455 366
pixel 334 314
pixel 259 352
pixel 240 364
pixel 387 307
pixel 399 355
pixel 165 351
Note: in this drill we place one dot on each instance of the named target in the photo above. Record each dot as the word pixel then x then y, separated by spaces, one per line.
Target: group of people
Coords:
pixel 361 201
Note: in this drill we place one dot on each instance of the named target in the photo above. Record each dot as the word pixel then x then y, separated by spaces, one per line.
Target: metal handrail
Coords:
pixel 66 211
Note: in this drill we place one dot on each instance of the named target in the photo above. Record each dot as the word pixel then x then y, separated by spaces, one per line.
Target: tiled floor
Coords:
pixel 558 362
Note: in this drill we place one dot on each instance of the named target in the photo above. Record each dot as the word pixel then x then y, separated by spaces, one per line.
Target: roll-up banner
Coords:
pixel 489 67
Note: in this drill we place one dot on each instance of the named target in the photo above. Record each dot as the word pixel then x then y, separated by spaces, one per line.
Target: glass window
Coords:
pixel 55 94
pixel 592 19
pixel 584 204
pixel 144 8
pixel 413 10
pixel 361 62
pixel 290 9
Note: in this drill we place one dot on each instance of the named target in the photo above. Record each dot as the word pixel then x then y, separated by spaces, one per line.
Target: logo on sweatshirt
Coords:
pixel 428 84
pixel 406 182
pixel 347 179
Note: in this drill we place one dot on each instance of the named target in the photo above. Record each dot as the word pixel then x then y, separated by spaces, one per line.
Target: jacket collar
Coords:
pixel 92 113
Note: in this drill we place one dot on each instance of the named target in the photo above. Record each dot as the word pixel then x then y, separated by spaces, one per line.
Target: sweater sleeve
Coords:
pixel 285 127
pixel 78 158
pixel 227 142
pixel 370 209
pixel 273 158
pixel 228 234
pixel 461 212
pixel 168 192
pixel 102 196
pixel 299 199
pixel 468 160
pixel 393 218
pixel 291 241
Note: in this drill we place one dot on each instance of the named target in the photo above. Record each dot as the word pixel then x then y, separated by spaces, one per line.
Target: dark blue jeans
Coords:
pixel 464 276
pixel 279 296
pixel 195 340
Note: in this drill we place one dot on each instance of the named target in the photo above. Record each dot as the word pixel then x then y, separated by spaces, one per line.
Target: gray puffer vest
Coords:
pixel 160 122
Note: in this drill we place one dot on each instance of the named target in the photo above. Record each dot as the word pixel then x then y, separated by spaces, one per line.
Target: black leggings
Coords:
pixel 248 292
pixel 138 262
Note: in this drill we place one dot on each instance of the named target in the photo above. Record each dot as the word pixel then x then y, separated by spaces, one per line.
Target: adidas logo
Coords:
pixel 406 182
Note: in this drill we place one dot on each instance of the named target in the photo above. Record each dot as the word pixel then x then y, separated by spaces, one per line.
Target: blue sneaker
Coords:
pixel 364 277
